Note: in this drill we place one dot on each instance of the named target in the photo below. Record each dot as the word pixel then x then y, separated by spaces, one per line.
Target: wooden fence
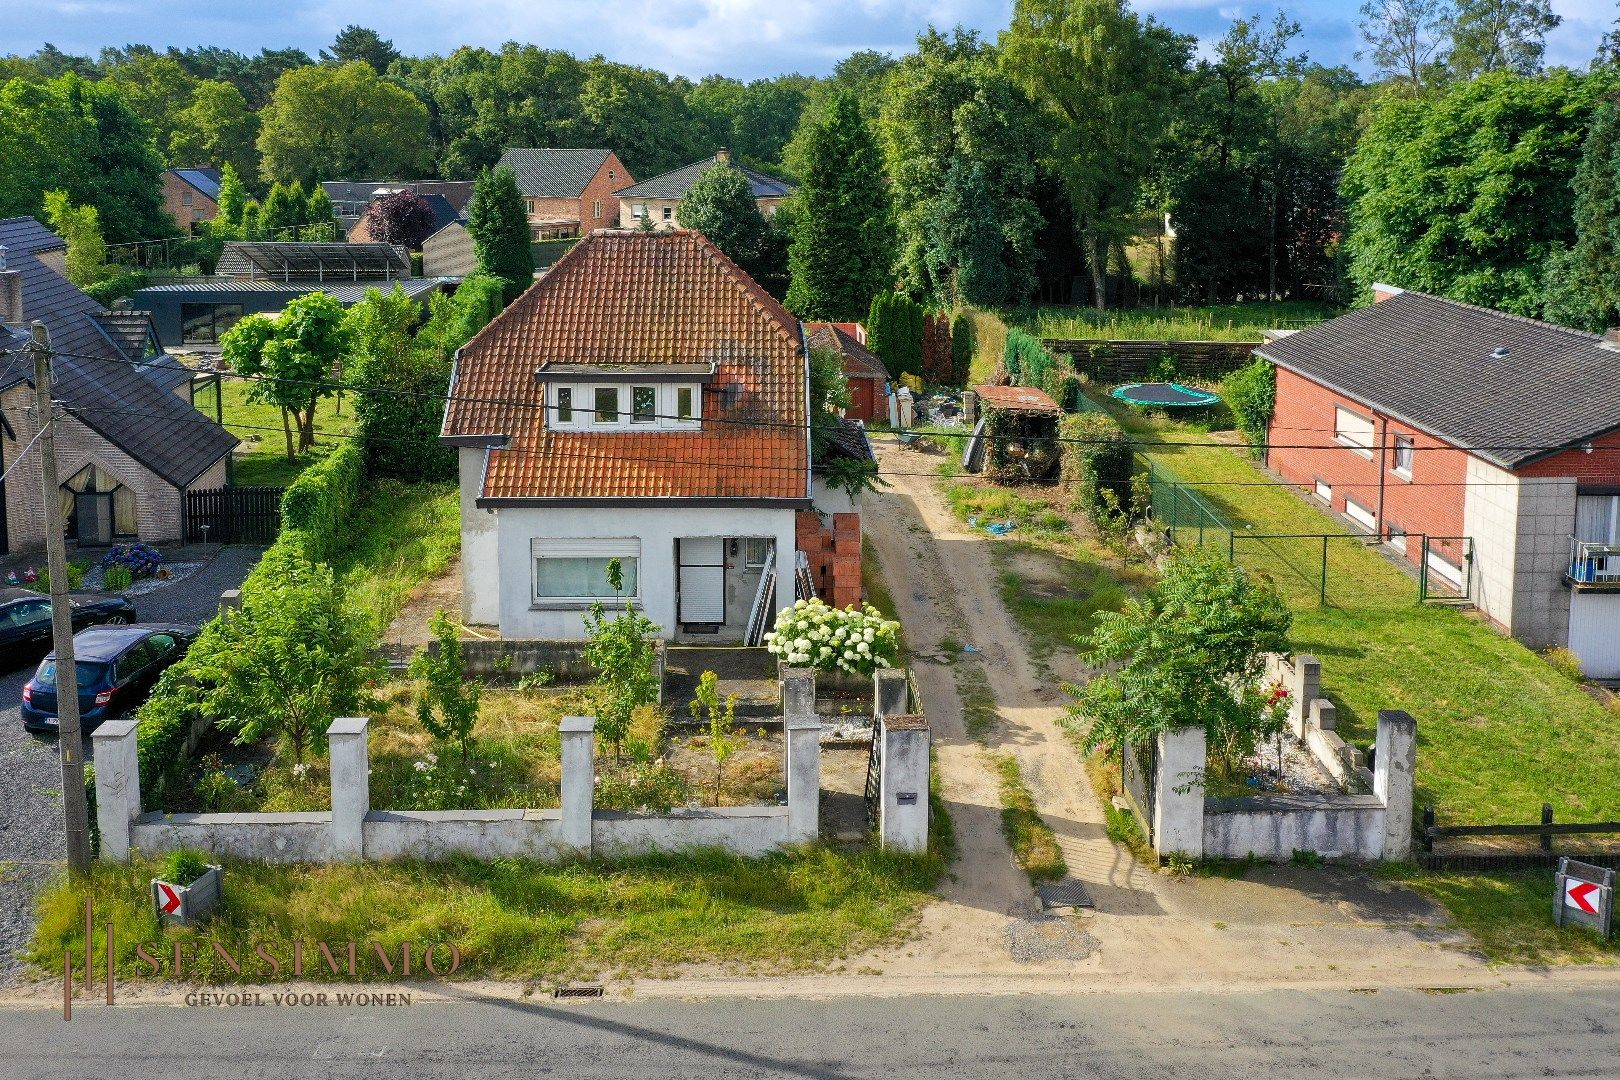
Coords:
pixel 235 515
pixel 1544 831
pixel 1108 362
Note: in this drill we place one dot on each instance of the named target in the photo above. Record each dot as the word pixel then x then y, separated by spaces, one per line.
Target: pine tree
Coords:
pixel 1582 286
pixel 500 230
pixel 233 196
pixel 843 240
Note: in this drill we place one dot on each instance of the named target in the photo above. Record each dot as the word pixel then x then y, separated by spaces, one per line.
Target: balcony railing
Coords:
pixel 1592 563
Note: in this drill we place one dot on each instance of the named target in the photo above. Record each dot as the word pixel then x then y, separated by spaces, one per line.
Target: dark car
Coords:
pixel 117 667
pixel 25 621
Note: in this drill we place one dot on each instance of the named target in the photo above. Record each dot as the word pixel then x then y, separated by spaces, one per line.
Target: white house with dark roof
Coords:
pixel 1484 448
pixel 660 197
pixel 131 444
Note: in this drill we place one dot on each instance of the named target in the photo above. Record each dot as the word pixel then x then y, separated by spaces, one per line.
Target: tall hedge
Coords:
pixel 317 507
pixel 1029 363
pixel 894 330
pixel 1097 457
pixel 1251 394
pixel 962 343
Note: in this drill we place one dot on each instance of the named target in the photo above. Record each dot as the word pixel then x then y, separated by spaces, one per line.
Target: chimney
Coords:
pixel 1611 339
pixel 723 156
pixel 11 302
pixel 1384 292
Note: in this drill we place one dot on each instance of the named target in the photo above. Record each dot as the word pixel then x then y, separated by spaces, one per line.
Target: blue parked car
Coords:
pixel 117 667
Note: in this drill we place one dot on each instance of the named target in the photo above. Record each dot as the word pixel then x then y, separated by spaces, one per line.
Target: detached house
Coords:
pixel 659 198
pixel 130 445
pixel 645 401
pixel 1482 447
pixel 191 196
pixel 567 193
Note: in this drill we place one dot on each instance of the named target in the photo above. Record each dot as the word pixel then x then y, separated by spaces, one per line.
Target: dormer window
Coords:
pixel 607 405
pixel 643 404
pixel 684 400
pixel 565 404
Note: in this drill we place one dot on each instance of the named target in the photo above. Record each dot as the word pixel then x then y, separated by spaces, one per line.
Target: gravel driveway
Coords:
pixel 31 795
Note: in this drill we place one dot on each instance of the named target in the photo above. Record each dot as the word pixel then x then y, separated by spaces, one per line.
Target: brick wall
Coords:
pixel 1430 500
pixel 611 177
pixel 834 553
pixel 201 207
pixel 1598 469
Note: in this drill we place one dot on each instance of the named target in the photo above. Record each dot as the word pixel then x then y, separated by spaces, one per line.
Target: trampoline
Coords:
pixel 1164 395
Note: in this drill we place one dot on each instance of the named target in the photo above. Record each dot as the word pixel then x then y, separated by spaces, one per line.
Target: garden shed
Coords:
pixel 1015 433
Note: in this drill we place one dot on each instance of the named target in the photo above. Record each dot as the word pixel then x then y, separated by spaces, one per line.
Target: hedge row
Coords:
pixel 1097 457
pixel 1030 364
pixel 315 512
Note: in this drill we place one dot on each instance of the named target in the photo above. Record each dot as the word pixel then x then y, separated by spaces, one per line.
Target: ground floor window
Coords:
pixel 1324 491
pixel 1396 537
pixel 577 570
pixel 203 324
pixel 1359 514
pixel 97 506
pixel 757 552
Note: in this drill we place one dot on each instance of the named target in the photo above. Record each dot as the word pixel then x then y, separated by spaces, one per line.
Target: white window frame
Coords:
pixel 563 413
pixel 1358 435
pixel 651 420
pixel 638 210
pixel 625 549
pixel 596 208
pixel 765 547
pixel 1395 536
pixel 669 213
pixel 692 411
pixel 1324 491
pixel 1409 444
pixel 1361 515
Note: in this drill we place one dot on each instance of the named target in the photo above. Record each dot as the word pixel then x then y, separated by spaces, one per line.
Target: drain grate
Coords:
pixel 578 990
pixel 1064 894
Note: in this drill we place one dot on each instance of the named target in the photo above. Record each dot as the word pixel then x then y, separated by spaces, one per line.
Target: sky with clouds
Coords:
pixel 743 38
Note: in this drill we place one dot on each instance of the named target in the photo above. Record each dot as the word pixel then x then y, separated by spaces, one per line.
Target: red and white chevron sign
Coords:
pixel 1583 896
pixel 168 899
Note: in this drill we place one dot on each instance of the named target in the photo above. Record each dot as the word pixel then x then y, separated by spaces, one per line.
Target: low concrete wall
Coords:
pixel 490 834
pixel 1275 826
pixel 269 837
pixel 746 830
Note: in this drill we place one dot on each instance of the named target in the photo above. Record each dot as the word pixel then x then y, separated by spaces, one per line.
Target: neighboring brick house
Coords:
pixel 864 371
pixel 644 401
pixel 568 193
pixel 191 196
pixel 1481 446
pixel 660 197
pixel 131 444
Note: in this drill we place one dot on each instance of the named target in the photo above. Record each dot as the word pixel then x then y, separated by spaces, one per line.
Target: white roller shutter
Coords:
pixel 703 580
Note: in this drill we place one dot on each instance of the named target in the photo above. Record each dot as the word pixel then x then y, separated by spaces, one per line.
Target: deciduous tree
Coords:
pixel 344 121
pixel 403 217
pixel 1500 35
pixel 1407 39
pixel 721 206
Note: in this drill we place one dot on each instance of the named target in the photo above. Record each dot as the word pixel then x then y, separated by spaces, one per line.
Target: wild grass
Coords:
pixel 403 535
pixel 1222 322
pixel 1058 609
pixel 514 918
pixel 979 714
pixel 985 503
pixel 259 427
pixel 877 588
pixel 1033 842
pixel 1509 917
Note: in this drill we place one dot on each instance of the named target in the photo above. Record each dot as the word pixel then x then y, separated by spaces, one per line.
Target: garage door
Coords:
pixel 703 580
pixel 1594 633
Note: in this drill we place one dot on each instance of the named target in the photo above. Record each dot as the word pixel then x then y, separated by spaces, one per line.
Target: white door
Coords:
pixel 1594 632
pixel 702 579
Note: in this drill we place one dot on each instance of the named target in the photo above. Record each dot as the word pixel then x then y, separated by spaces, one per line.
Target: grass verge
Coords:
pixel 877 589
pixel 979 714
pixel 1034 844
pixel 1122 826
pixel 1220 322
pixel 403 535
pixel 1509 916
pixel 513 918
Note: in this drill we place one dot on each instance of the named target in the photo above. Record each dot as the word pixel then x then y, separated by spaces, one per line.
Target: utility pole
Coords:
pixel 68 740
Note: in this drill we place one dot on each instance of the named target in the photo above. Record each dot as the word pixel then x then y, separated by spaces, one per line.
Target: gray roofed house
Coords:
pixel 567 192
pixel 206 181
pixel 351 197
pixel 659 197
pixel 1434 363
pixel 554 174
pixel 132 443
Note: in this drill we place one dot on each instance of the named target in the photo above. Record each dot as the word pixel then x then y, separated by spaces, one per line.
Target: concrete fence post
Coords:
pixel 1394 767
pixel 1307 687
pixel 118 786
pixel 891 696
pixel 903 792
pixel 578 736
pixel 798 691
pixel 660 661
pixel 230 600
pixel 802 734
pixel 351 785
pixel 1178 800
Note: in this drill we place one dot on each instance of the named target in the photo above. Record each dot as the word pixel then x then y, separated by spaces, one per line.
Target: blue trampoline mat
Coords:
pixel 1164 395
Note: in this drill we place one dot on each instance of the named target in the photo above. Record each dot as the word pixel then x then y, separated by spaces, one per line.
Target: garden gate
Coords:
pixel 233 515
pixel 1139 772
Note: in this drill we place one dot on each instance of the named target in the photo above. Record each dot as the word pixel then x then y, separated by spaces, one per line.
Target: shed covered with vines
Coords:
pixel 1015 433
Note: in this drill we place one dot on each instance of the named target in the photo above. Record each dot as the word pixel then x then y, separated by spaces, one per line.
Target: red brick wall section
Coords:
pixel 834 554
pixel 1599 468
pixel 1303 451
pixel 864 395
pixel 611 177
pixel 202 208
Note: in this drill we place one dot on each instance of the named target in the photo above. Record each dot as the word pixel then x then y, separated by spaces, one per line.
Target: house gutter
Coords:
pixel 809 444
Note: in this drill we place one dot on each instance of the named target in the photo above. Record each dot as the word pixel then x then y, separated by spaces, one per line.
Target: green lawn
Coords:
pixel 1221 322
pixel 515 918
pixel 1509 916
pixel 1499 730
pixel 259 428
pixel 1034 844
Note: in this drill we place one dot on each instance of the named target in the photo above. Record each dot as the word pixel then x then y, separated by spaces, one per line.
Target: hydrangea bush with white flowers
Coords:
pixel 854 639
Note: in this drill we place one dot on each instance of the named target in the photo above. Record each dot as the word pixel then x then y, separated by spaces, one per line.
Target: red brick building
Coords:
pixel 191 196
pixel 864 371
pixel 1481 445
pixel 568 193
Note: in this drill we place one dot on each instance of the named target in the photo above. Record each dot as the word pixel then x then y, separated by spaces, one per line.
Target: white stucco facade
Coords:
pixel 498 557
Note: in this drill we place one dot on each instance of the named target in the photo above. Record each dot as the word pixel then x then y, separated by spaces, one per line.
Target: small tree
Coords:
pixel 80 226
pixel 448 704
pixel 233 196
pixel 1188 654
pixel 320 213
pixel 500 230
pixel 1251 394
pixel 292 658
pixel 894 331
pixel 292 359
pixel 623 657
pixel 402 218
pixel 721 206
pixel 721 719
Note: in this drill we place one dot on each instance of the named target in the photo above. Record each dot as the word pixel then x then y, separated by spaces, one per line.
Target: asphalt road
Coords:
pixel 1478 1035
pixel 30 772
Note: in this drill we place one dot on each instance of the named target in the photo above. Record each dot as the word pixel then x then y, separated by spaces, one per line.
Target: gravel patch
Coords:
pixel 1048 937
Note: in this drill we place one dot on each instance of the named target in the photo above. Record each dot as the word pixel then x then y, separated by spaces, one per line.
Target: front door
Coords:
pixel 702 580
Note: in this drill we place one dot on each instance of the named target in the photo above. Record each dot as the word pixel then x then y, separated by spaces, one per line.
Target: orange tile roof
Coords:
pixel 628 297
pixel 1016 399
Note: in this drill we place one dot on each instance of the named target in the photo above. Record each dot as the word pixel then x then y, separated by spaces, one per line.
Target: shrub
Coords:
pixel 813 634
pixel 140 560
pixel 117 578
pixel 962 343
pixel 1251 394
pixel 1097 459
pixel 448 704
pixel 721 718
pixel 894 330
pixel 75 576
pixel 116 288
pixel 315 509
pixel 619 650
